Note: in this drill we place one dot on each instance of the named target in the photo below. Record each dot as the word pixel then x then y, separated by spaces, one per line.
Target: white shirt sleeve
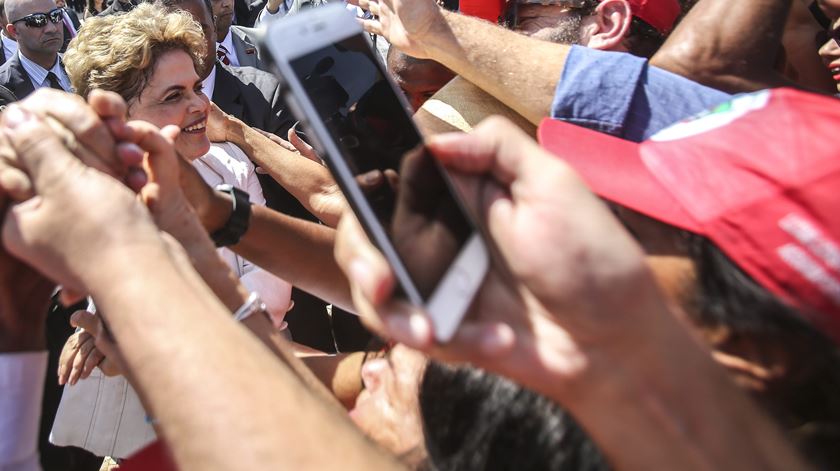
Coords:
pixel 21 391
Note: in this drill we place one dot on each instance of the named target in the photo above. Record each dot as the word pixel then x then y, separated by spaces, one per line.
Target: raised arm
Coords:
pixel 520 72
pixel 736 46
pixel 157 294
pixel 309 182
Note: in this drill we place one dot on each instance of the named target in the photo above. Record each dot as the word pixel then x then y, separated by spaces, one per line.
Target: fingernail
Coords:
pixel 15 115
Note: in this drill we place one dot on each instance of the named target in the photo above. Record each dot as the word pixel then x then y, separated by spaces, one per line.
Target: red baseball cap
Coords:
pixel 758 176
pixel 661 14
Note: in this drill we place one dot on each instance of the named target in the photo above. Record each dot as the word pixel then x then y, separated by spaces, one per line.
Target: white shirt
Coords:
pixel 21 390
pixel 226 163
pixel 283 9
pixel 231 51
pixel 209 84
pixel 38 74
pixel 10 46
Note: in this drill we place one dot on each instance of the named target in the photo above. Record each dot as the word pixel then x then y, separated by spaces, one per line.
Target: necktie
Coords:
pixel 222 54
pixel 53 80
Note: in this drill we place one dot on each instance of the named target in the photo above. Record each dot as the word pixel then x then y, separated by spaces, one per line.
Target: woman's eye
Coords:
pixel 172 97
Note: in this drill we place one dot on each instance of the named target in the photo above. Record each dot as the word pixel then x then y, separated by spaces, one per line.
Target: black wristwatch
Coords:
pixel 239 219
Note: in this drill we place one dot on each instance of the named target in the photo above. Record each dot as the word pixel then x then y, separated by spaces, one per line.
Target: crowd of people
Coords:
pixel 184 286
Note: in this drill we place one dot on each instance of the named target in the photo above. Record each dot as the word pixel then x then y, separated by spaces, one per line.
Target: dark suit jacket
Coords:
pixel 252 96
pixel 14 77
pixel 74 20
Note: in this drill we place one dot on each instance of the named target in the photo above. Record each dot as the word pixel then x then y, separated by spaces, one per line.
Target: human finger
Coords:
pixel 361 262
pixel 93 360
pixel 39 151
pixel 83 123
pixel 495 146
pixel 87 321
pixel 85 347
pixel 371 26
pixel 67 356
pixel 302 147
pixel 68 296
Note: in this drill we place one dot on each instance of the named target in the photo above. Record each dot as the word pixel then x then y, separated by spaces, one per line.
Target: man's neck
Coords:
pixel 45 60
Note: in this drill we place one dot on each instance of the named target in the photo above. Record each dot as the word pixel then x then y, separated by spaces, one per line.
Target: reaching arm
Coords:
pixel 519 71
pixel 251 402
pixel 309 182
pixel 735 46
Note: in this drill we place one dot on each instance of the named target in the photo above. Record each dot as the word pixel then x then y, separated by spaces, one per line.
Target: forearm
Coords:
pixel 251 399
pixel 664 404
pixel 298 251
pixel 731 46
pixel 494 59
pixel 306 180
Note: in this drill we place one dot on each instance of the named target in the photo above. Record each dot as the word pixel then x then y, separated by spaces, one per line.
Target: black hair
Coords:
pixel 474 420
pixel 807 400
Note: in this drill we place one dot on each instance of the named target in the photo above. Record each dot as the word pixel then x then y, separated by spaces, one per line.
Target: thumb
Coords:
pixel 87 321
pixel 39 151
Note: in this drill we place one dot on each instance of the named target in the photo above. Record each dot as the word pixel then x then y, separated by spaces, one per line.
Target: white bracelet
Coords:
pixel 252 305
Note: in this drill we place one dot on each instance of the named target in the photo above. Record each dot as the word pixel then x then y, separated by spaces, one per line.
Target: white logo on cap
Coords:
pixel 715 118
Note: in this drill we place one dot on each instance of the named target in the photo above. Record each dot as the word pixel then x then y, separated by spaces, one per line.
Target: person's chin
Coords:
pixel 193 147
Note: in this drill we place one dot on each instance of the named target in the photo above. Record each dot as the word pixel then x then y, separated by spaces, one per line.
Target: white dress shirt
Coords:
pixel 226 163
pixel 21 390
pixel 231 51
pixel 209 84
pixel 10 46
pixel 38 74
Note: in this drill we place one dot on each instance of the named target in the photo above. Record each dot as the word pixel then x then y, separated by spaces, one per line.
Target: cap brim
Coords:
pixel 613 169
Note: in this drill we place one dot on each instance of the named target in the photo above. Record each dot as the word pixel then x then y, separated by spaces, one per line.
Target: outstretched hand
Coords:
pixel 406 24
pixel 563 269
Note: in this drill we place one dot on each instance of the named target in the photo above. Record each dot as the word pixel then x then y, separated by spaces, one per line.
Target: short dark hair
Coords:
pixel 474 420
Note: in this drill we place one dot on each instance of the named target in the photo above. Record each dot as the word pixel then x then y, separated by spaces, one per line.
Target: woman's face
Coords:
pixel 173 96
pixel 830 54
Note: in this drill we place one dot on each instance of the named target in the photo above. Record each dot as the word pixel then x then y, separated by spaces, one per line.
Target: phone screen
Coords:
pixel 403 185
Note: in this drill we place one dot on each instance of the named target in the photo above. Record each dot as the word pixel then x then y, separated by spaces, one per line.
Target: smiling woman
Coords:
pixel 150 56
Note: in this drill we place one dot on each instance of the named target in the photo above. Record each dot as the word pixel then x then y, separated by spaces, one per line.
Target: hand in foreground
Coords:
pixel 564 269
pixel 106 218
pixel 81 353
pixel 92 129
pixel 24 300
pixel 406 24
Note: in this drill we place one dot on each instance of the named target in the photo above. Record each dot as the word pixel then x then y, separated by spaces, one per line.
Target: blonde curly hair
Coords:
pixel 119 52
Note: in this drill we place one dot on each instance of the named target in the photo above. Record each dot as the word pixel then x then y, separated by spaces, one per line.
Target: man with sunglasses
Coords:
pixel 38 27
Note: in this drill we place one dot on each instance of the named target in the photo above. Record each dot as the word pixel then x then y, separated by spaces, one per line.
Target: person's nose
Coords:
pixel 372 373
pixel 830 51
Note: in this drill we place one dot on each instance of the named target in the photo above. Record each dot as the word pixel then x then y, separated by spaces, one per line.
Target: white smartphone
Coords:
pixel 338 88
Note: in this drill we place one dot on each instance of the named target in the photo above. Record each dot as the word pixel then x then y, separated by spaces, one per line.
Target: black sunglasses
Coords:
pixel 39 20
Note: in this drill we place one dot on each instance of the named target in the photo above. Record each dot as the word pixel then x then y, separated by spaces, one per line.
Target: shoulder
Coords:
pixel 249 35
pixel 232 159
pixel 253 75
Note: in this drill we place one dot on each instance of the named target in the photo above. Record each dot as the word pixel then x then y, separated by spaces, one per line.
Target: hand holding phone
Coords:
pixel 359 122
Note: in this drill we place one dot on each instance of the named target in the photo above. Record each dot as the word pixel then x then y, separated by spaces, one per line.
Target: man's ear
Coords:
pixel 609 26
pixel 11 31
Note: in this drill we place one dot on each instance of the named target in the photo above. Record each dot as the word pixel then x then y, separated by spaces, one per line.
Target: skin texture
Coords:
pixel 204 17
pixel 41 45
pixel 223 12
pixel 173 96
pixel 735 47
pixel 830 55
pixel 418 79
pixel 387 410
pixel 529 321
pixel 163 270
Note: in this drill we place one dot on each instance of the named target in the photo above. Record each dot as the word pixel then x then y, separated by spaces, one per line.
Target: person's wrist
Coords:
pixel 218 211
pixel 577 362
